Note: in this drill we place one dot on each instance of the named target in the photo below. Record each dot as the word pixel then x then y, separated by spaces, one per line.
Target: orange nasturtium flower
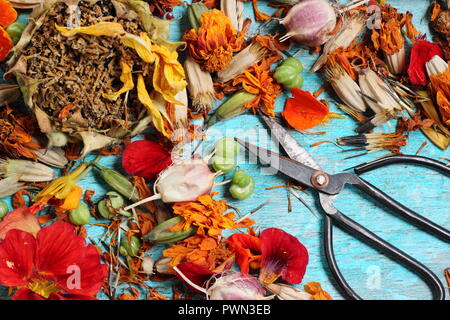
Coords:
pixel 213 45
pixel 62 190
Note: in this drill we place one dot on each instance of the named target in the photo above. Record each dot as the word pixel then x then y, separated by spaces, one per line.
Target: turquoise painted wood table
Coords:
pixel 373 275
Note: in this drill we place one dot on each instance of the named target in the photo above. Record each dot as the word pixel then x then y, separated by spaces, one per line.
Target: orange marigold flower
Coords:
pixel 213 45
pixel 202 250
pixel 441 86
pixel 258 80
pixel 208 215
pixel 16 135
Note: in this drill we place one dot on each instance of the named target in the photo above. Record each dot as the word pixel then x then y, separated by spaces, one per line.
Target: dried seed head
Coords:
pixel 243 60
pixel 200 86
pixel 436 66
pixel 351 28
pixel 9 186
pixel 287 292
pixel 346 88
pixel 147 265
pixel 375 92
pixel 396 62
pixel 54 157
pixel 26 170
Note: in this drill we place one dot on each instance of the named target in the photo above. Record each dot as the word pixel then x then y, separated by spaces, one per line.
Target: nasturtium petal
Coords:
pixel 107 29
pixel 127 80
pixel 145 99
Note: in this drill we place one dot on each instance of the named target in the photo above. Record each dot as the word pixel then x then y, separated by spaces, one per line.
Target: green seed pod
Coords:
pixel 227 147
pixel 242 185
pixel 128 248
pixel 241 178
pixel 162 235
pixel 287 74
pixel 15 31
pixel 119 183
pixel 111 205
pixel 195 12
pixel 233 107
pixel 81 215
pixel 3 209
pixel 225 165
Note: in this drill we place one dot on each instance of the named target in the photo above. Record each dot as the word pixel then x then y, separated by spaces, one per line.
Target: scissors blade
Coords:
pixel 293 149
pixel 293 169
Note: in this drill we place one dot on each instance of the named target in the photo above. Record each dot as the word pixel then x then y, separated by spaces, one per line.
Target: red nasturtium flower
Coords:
pixel 422 52
pixel 54 265
pixel 247 249
pixel 279 255
pixel 145 159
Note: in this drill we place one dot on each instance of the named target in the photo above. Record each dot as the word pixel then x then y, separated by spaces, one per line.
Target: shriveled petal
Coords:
pixel 127 80
pixel 145 99
pixel 107 29
pixel 17 254
pixel 142 47
pixel 69 296
pixel 20 219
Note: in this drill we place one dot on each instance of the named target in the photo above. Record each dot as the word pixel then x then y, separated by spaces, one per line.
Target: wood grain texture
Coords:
pixel 420 189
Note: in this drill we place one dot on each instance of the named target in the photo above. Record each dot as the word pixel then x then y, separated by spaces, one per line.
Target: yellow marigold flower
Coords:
pixel 213 45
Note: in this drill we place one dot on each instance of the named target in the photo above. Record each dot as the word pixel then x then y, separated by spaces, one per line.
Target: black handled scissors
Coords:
pixel 301 167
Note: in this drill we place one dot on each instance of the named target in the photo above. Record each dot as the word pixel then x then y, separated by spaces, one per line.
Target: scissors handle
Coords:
pixel 403 211
pixel 423 161
pixel 369 237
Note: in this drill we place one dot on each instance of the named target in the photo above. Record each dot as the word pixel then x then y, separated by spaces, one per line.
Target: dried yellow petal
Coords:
pixel 143 48
pixel 145 99
pixel 127 80
pixel 169 76
pixel 107 29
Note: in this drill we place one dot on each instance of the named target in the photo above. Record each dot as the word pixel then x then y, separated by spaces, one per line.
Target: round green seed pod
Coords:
pixel 225 165
pixel 112 204
pixel 81 215
pixel 227 147
pixel 294 63
pixel 3 209
pixel 241 178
